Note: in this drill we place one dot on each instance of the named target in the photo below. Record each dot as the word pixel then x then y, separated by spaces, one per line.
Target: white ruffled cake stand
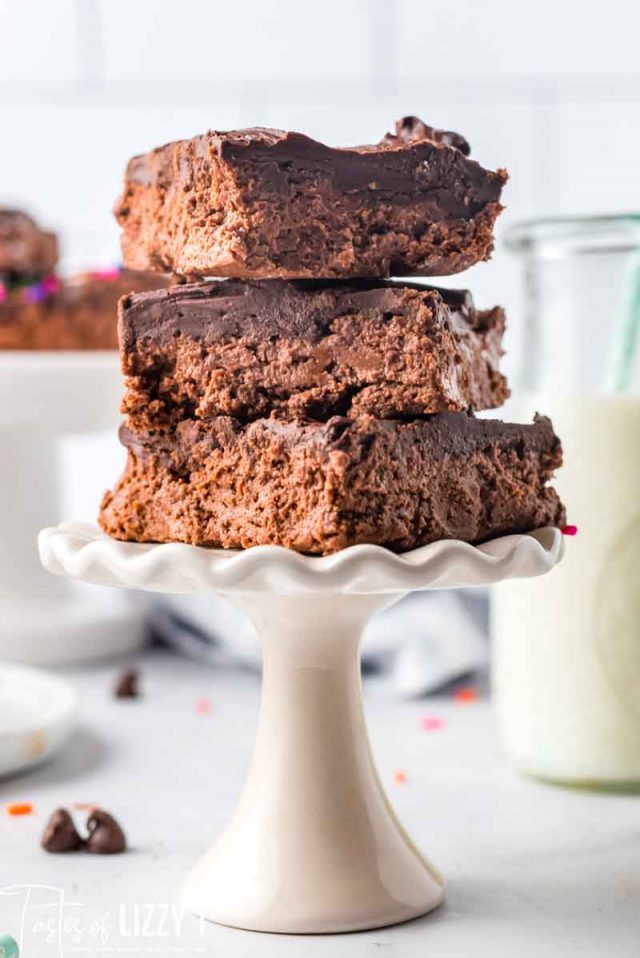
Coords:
pixel 313 845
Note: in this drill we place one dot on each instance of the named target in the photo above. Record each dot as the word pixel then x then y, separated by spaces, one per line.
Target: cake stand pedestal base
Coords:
pixel 313 846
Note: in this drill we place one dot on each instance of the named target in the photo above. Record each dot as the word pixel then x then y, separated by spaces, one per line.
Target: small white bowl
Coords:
pixel 38 712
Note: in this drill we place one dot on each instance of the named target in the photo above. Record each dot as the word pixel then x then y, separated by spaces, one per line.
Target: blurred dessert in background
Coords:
pixel 40 309
pixel 26 251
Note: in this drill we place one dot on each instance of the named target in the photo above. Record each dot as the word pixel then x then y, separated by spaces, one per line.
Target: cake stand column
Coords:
pixel 314 845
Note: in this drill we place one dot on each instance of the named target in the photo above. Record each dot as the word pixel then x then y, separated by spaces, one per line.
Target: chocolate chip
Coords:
pixel 127 685
pixel 411 129
pixel 60 835
pixel 105 835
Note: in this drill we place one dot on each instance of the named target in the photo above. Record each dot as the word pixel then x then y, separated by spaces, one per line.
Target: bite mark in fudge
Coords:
pixel 25 249
pixel 320 487
pixel 304 349
pixel 262 203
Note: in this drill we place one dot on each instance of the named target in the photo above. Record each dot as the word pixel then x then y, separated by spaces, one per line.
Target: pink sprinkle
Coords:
pixel 431 723
pixel 203 706
pixel 569 530
pixel 3 292
pixel 106 274
pixel 50 284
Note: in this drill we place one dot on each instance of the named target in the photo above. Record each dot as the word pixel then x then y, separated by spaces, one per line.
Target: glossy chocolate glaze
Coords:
pixel 401 169
pixel 266 307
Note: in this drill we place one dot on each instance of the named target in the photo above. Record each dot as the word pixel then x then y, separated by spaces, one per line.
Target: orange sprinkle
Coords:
pixel 466 695
pixel 85 806
pixel 20 808
pixel 203 706
pixel 400 777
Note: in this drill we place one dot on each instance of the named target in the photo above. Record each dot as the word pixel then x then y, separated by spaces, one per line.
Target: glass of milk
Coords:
pixel 567 646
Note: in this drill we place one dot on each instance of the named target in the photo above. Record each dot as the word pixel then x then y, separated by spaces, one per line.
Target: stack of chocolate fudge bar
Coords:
pixel 303 398
pixel 41 310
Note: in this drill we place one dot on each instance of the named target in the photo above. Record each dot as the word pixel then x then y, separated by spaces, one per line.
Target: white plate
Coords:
pixel 37 713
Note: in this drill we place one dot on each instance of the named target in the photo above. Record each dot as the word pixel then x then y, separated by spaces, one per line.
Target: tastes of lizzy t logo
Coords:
pixel 44 923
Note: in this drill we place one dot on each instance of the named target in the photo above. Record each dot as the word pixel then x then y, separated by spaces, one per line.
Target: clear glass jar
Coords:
pixel 582 303
pixel 567 646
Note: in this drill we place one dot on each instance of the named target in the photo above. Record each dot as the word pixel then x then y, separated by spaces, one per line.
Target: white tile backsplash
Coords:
pixel 198 41
pixel 543 39
pixel 598 149
pixel 38 41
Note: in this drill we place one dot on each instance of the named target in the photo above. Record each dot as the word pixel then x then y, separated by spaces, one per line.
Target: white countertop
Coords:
pixel 532 870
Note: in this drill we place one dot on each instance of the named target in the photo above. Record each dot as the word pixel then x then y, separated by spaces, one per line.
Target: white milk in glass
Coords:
pixel 567 646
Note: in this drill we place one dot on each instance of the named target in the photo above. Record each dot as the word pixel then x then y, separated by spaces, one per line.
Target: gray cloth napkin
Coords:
pixel 422 643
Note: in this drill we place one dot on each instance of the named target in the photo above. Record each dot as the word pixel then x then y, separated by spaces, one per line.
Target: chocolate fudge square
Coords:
pixel 320 487
pixel 262 203
pixel 307 349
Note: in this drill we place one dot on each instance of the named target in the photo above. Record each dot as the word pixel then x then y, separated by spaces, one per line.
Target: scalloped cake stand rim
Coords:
pixel 84 552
